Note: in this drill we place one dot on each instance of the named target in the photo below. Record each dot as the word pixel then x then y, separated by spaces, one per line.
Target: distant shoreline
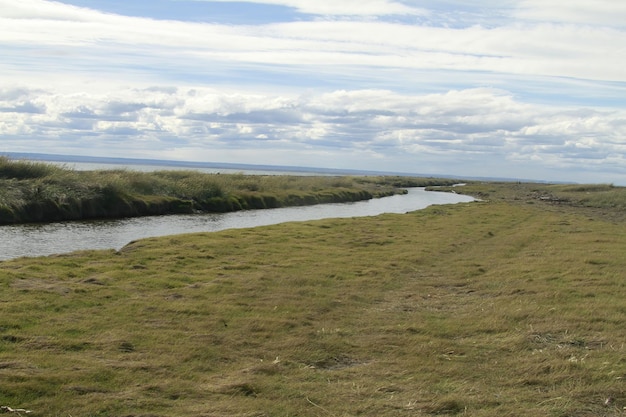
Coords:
pixel 197 164
pixel 239 167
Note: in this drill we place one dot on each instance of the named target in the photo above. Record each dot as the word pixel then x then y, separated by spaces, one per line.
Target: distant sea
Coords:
pixel 84 163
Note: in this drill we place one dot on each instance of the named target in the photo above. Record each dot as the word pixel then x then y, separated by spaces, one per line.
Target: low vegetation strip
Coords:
pixel 597 200
pixel 38 192
pixel 512 306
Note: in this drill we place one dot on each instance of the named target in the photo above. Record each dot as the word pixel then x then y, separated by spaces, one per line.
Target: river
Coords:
pixel 63 237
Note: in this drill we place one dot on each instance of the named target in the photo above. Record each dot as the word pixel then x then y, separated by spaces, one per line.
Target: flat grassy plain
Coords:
pixel 509 306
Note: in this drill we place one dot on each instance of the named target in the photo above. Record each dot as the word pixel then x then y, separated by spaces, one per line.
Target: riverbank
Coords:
pixel 39 192
pixel 512 306
pixel 63 237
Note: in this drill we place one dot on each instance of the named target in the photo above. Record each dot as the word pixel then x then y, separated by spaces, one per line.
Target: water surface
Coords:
pixel 62 237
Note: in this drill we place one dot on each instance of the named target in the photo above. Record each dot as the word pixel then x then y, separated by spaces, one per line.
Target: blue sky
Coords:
pixel 532 89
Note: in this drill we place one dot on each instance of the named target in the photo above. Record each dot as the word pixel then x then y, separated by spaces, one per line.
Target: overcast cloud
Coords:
pixel 520 89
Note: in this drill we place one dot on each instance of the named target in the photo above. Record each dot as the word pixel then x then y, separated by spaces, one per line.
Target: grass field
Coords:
pixel 510 306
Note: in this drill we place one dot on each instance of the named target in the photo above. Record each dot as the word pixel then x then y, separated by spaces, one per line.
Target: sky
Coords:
pixel 520 89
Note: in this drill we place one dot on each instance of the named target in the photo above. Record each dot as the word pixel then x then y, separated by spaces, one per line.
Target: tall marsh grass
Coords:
pixel 21 170
pixel 34 191
pixel 594 195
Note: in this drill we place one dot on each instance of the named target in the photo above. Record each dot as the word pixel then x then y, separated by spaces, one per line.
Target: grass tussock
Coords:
pixel 494 308
pixel 38 192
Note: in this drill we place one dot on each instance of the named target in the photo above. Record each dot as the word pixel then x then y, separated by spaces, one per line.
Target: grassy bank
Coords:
pixel 513 306
pixel 38 192
pixel 604 201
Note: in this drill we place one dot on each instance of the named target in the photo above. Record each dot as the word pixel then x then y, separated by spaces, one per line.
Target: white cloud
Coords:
pixel 545 49
pixel 341 8
pixel 586 12
pixel 377 124
pixel 46 10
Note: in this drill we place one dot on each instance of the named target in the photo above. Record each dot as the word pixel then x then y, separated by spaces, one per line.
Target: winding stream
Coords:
pixel 54 238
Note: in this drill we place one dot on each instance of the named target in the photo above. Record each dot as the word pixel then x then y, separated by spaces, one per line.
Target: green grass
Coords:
pixel 507 307
pixel 38 192
pixel 596 200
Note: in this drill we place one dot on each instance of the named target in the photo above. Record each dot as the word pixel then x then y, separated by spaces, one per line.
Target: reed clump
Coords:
pixel 510 306
pixel 39 192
